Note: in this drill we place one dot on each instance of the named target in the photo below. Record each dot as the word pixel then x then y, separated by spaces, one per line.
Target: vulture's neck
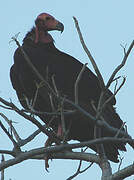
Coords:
pixel 40 37
pixel 43 37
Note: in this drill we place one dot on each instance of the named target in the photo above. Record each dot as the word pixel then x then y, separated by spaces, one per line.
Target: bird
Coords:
pixel 60 71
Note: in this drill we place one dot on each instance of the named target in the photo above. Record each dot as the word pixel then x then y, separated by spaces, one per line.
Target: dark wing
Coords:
pixel 14 76
pixel 26 83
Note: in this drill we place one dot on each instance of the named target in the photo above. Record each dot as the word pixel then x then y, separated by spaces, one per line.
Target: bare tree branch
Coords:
pixel 22 142
pixel 12 153
pixel 11 126
pixel 101 81
pixel 26 155
pixel 33 120
pixel 121 65
pixel 123 124
pixel 80 171
pixel 9 136
pixel 124 173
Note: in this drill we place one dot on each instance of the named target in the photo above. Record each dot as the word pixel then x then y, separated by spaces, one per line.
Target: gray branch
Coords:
pixel 29 154
pixel 123 173
pixel 101 81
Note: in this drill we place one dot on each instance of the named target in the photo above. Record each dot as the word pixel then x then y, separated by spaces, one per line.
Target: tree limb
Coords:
pixel 29 154
pixel 31 119
pixel 100 78
pixel 12 153
pixel 123 173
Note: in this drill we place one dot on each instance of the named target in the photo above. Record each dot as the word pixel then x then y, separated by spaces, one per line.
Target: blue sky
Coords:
pixel 105 25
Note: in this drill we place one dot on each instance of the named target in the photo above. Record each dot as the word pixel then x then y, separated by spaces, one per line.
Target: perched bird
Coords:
pixel 60 71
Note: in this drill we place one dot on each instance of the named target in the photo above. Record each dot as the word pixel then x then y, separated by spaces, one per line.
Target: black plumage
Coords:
pixel 50 62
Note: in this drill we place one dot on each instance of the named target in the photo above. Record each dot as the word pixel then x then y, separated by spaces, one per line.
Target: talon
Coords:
pixel 46 158
pixel 46 163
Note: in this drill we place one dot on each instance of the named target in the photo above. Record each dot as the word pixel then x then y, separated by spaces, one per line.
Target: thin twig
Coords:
pixel 35 96
pixel 22 142
pixel 122 126
pixel 121 160
pixel 99 107
pixel 77 172
pixel 77 83
pixel 9 136
pixel 124 48
pixel 116 83
pixel 11 126
pixel 55 87
pixel 87 168
pixel 121 65
pixel 52 104
pixel 116 78
pixel 109 99
pixel 80 171
pixel 8 108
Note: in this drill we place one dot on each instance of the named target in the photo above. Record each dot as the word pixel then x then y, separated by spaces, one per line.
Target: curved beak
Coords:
pixel 60 27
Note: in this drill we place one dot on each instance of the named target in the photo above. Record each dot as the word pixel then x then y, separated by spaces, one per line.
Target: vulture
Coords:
pixel 60 71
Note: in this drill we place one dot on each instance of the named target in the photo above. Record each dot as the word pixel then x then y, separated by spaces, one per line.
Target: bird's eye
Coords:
pixel 48 18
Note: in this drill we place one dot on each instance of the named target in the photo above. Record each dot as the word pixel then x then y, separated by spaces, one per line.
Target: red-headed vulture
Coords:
pixel 60 71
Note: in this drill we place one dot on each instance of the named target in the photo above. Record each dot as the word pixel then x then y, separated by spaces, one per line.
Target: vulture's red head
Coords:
pixel 44 23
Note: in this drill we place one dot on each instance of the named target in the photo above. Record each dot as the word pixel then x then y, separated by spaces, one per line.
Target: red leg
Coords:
pixel 49 143
pixel 59 132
